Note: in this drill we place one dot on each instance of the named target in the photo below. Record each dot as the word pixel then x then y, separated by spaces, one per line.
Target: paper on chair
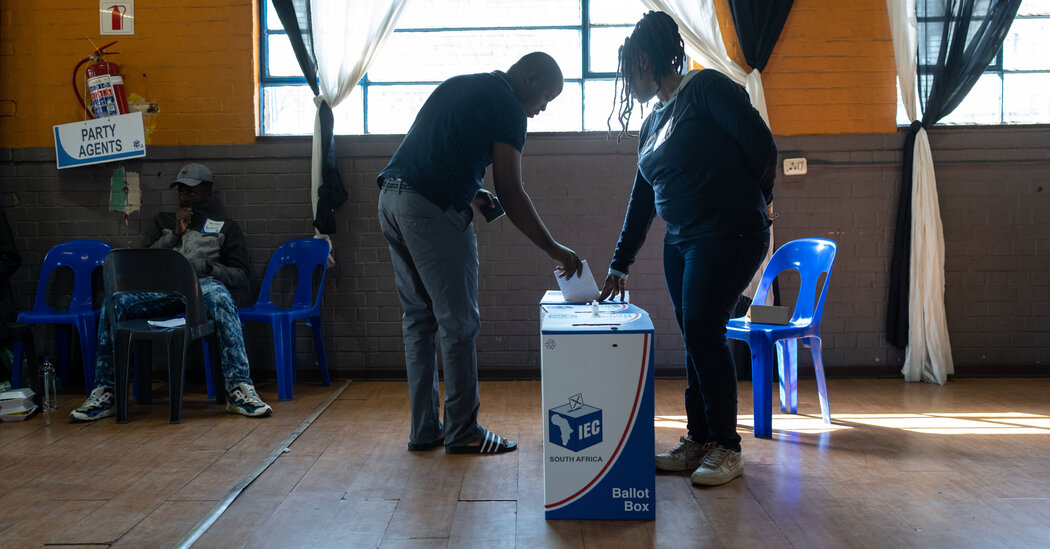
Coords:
pixel 170 323
pixel 578 288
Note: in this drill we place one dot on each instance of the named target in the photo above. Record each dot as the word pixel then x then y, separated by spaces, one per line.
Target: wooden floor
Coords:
pixel 902 465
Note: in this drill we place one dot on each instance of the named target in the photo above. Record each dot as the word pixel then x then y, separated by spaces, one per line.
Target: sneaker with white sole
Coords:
pixel 243 400
pixel 97 406
pixel 720 466
pixel 686 455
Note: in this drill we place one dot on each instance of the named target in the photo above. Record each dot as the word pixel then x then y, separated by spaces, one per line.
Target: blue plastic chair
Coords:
pixel 306 254
pixel 83 257
pixel 811 257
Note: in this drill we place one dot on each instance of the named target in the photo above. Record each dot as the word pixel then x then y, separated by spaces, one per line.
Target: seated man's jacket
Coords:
pixel 211 239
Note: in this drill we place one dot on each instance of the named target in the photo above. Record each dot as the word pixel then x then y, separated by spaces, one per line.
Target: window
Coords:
pixel 437 39
pixel 1012 89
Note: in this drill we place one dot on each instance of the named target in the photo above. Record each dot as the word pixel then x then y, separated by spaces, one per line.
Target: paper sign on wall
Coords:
pixel 100 140
pixel 116 17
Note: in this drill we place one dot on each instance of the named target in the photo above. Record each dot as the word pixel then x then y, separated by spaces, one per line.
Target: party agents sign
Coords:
pixel 100 140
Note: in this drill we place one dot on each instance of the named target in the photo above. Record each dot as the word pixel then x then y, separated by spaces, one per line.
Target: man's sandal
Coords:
pixel 424 446
pixel 490 444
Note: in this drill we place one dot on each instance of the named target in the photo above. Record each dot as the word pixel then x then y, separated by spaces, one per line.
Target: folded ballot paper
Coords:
pixel 578 288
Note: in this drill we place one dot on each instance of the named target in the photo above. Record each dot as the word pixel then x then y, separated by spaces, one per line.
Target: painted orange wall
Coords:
pixel 194 58
pixel 831 72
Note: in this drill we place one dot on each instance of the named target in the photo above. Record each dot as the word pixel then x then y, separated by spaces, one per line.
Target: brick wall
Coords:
pixel 196 59
pixel 831 71
pixel 993 188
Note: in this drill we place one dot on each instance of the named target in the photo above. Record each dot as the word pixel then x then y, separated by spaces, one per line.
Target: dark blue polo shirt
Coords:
pixel 448 148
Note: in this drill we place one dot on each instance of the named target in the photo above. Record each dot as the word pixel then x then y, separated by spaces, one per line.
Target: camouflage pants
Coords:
pixel 220 306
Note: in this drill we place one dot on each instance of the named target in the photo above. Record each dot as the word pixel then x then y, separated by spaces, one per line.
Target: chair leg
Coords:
pixel 293 352
pixel 322 358
pixel 787 365
pixel 209 379
pixel 178 348
pixel 284 357
pixel 762 385
pixel 121 363
pixel 86 329
pixel 822 387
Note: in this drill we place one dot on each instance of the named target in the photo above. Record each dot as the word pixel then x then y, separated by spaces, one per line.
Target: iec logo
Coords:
pixel 575 425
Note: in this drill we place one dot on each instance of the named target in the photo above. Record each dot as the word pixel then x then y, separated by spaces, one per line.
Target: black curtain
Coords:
pixel 957 40
pixel 295 17
pixel 758 25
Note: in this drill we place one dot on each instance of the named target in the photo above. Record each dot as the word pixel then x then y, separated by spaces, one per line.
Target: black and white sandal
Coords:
pixel 491 443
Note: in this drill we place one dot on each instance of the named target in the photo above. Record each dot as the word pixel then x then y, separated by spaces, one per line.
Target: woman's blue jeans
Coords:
pixel 705 277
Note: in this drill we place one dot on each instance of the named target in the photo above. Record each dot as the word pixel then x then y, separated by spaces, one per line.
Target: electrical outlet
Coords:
pixel 794 166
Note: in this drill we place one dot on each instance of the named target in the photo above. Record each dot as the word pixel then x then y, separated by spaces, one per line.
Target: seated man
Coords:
pixel 215 247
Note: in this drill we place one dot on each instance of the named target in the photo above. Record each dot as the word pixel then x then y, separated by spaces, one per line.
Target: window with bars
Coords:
pixel 1012 89
pixel 437 39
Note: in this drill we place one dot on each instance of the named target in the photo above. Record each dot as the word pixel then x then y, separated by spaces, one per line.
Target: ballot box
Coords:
pixel 597 390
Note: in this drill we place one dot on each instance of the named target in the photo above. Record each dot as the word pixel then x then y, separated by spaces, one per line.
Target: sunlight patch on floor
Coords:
pixel 940 423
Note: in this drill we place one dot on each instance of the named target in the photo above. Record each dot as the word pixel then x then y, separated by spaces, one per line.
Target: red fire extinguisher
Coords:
pixel 105 85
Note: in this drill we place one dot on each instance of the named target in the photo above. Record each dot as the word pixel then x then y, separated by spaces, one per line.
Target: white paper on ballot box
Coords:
pixel 578 288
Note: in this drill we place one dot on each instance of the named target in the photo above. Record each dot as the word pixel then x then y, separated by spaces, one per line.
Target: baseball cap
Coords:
pixel 192 175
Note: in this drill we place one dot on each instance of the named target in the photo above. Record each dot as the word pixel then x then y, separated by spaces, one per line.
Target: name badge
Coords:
pixel 212 226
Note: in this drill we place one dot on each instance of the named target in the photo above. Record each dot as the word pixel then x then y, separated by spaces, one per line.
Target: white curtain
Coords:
pixel 346 36
pixel 698 25
pixel 929 354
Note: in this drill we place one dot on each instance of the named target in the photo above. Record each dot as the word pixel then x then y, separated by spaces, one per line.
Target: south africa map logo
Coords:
pixel 575 425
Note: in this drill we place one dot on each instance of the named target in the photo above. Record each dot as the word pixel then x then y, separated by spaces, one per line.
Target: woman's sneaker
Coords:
pixel 719 466
pixel 97 406
pixel 245 401
pixel 686 455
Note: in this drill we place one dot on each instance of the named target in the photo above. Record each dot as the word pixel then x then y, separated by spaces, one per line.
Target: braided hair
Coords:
pixel 656 35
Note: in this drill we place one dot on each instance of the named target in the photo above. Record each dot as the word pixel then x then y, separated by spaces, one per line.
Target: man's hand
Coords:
pixel 482 201
pixel 182 221
pixel 569 264
pixel 614 286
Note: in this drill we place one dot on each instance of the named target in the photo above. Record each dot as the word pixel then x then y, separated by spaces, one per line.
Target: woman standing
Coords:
pixel 706 163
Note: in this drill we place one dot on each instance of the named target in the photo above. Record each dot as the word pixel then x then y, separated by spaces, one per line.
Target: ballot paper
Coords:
pixel 170 323
pixel 578 288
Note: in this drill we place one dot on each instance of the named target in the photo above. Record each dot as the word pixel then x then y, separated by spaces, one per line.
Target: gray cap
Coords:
pixel 192 175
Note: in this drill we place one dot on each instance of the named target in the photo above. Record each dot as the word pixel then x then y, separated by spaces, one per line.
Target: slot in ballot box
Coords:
pixel 597 390
pixel 555 297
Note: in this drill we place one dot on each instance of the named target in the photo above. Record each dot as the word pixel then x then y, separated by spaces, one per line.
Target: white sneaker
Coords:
pixel 97 406
pixel 719 466
pixel 686 455
pixel 245 401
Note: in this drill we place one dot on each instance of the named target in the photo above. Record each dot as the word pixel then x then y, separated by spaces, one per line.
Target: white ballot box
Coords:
pixel 598 434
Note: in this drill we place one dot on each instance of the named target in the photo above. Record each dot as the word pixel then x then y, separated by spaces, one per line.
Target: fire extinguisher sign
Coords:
pixel 116 17
pixel 100 140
